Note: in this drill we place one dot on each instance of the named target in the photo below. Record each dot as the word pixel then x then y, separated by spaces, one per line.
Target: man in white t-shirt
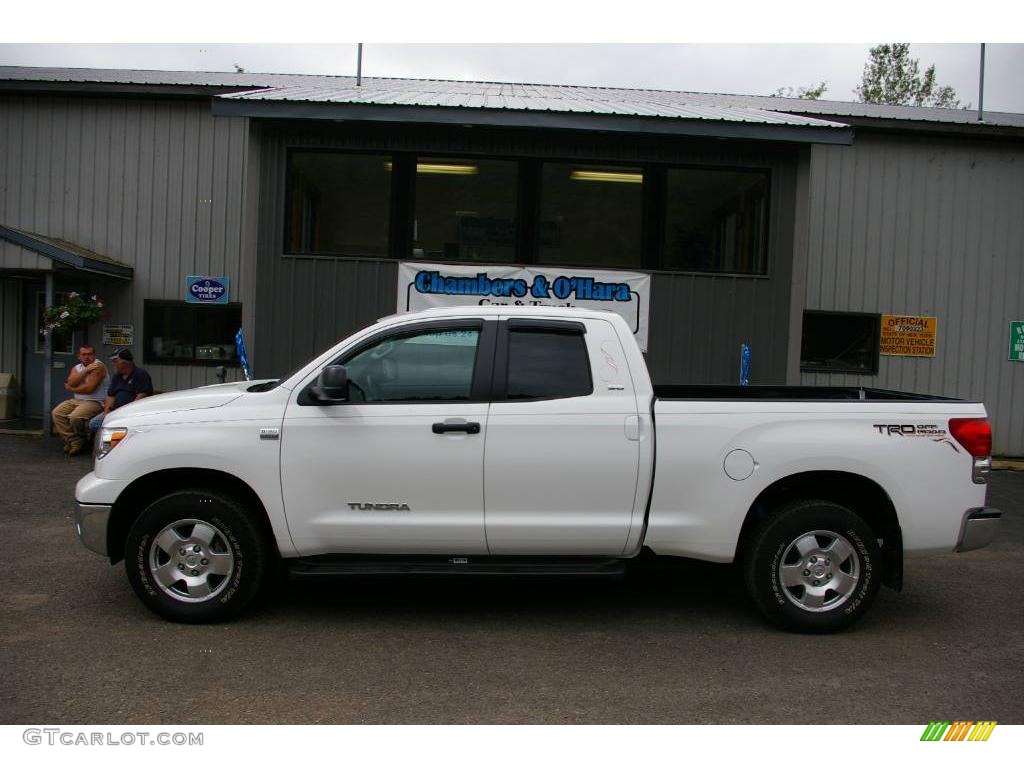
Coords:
pixel 87 383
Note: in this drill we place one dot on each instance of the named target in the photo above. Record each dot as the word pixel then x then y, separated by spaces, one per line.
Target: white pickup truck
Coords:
pixel 528 440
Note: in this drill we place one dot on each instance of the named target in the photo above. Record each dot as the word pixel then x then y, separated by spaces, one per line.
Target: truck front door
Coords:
pixel 399 468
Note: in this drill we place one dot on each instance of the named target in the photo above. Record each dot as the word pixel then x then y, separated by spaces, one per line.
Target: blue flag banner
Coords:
pixel 242 358
pixel 744 365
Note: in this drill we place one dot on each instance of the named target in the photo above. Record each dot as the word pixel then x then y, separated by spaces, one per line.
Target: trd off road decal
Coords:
pixel 933 431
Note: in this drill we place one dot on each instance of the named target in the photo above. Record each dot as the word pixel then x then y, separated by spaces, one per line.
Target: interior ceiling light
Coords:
pixel 617 176
pixel 443 168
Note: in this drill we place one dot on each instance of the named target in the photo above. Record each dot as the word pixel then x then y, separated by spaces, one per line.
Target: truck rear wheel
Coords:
pixel 195 557
pixel 814 566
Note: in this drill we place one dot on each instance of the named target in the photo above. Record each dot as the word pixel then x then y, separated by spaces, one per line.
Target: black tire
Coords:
pixel 846 557
pixel 221 547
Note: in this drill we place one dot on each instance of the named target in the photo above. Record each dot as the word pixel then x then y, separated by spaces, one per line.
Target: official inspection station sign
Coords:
pixel 1017 340
pixel 422 286
pixel 203 289
pixel 908 335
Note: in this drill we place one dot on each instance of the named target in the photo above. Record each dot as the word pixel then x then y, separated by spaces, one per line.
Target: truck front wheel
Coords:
pixel 814 566
pixel 195 557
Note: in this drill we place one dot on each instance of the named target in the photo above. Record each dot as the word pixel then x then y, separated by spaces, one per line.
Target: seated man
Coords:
pixel 129 383
pixel 88 383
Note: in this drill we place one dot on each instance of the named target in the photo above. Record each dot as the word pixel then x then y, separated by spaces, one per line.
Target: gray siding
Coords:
pixel 925 226
pixel 697 321
pixel 14 257
pixel 125 177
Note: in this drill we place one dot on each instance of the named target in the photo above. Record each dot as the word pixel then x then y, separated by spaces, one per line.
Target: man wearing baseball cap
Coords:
pixel 128 384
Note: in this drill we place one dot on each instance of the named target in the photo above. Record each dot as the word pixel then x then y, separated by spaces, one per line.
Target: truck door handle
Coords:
pixel 470 427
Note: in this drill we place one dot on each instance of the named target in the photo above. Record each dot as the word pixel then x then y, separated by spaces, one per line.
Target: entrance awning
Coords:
pixel 22 250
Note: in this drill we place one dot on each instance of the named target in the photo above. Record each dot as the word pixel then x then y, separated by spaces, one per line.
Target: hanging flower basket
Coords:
pixel 76 312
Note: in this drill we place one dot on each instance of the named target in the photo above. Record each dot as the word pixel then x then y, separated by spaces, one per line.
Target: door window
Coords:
pixel 435 365
pixel 547 365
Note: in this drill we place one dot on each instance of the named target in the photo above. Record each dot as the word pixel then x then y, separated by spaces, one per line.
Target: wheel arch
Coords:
pixel 144 490
pixel 860 494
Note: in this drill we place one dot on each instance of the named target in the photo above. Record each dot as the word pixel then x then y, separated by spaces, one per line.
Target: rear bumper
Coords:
pixel 91 525
pixel 978 528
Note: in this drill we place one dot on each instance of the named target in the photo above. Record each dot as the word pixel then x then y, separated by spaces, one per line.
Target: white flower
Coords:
pixel 99 305
pixel 64 314
pixel 72 295
pixel 94 297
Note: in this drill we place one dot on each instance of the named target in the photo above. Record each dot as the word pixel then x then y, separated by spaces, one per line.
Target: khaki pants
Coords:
pixel 71 419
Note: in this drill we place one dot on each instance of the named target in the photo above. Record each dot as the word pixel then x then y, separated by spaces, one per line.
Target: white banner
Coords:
pixel 421 286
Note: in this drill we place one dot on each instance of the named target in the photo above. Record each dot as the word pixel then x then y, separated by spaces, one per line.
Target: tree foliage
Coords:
pixel 812 92
pixel 892 77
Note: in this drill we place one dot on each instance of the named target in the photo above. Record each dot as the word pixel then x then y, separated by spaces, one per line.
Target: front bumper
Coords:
pixel 91 525
pixel 978 528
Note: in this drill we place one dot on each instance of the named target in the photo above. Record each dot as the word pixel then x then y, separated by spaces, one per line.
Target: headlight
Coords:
pixel 109 439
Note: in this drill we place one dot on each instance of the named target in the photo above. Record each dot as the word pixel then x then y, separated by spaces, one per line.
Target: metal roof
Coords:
pixel 533 98
pixel 65 253
pixel 341 89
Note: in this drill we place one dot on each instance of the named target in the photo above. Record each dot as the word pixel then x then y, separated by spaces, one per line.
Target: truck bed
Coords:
pixel 786 393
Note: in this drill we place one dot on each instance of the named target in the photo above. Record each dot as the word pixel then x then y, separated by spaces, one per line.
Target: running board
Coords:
pixel 481 565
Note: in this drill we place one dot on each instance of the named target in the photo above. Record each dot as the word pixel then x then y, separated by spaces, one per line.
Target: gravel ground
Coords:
pixel 678 643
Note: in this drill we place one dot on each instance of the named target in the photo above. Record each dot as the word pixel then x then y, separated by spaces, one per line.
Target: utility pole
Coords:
pixel 359 65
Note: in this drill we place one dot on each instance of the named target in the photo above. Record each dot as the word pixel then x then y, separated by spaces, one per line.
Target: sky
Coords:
pixel 759 68
pixel 743 46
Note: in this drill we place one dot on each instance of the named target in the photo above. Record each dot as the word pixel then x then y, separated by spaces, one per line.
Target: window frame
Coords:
pixel 529 175
pixel 388 156
pixel 567 327
pixel 482 365
pixel 877 322
pixel 59 297
pixel 417 158
pixel 766 240
pixel 148 358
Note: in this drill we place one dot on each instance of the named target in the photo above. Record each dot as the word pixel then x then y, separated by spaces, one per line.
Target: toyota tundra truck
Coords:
pixel 498 440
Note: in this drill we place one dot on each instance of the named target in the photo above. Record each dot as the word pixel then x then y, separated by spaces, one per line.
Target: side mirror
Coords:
pixel 331 385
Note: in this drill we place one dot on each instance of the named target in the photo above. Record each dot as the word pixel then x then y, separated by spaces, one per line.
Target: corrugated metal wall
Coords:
pixel 926 226
pixel 697 321
pixel 13 256
pixel 126 177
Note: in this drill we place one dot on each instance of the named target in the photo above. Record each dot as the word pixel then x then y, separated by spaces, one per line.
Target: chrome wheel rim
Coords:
pixel 819 571
pixel 191 561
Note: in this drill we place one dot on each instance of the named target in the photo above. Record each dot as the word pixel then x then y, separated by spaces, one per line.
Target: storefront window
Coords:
pixel 338 203
pixel 591 215
pixel 716 221
pixel 465 210
pixel 176 332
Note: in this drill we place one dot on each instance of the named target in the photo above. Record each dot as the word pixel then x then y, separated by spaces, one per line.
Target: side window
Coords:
pixel 425 365
pixel 547 364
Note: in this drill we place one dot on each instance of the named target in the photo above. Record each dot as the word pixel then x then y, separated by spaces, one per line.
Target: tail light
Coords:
pixel 973 434
pixel 976 436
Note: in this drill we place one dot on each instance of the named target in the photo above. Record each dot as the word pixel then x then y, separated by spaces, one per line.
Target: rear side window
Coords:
pixel 545 364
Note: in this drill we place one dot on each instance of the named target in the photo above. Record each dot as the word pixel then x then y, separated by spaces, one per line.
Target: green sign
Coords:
pixel 1017 340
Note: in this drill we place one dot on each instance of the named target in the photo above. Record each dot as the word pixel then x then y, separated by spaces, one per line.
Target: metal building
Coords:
pixel 810 231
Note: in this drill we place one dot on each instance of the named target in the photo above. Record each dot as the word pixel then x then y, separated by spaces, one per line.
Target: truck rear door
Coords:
pixel 562 453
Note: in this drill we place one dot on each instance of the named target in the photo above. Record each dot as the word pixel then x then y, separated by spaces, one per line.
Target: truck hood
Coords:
pixel 212 396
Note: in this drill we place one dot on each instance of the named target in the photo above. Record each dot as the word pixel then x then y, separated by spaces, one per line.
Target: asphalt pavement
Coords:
pixel 677 643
